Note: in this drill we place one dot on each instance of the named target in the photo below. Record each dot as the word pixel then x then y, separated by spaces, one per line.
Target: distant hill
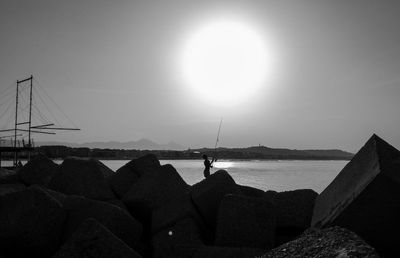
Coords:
pixel 174 150
pixel 262 152
pixel 142 144
pixel 250 153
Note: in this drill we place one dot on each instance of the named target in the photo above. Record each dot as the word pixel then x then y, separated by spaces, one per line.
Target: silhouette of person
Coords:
pixel 19 164
pixel 207 165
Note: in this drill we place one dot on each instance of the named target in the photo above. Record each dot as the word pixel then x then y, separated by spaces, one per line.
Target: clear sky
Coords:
pixel 114 67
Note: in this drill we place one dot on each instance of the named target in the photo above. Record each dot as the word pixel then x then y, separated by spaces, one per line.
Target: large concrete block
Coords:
pixel 251 191
pixel 128 174
pixel 152 191
pixel 294 211
pixel 8 176
pixel 85 177
pixel 227 252
pixel 39 170
pixel 158 188
pixel 106 171
pixel 295 208
pixel 11 188
pixel 331 242
pixel 171 213
pixel 56 195
pixel 142 212
pixel 270 195
pixel 208 194
pixel 112 217
pixel 118 203
pixel 92 239
pixel 245 222
pixel 365 197
pixel 180 240
pixel 31 224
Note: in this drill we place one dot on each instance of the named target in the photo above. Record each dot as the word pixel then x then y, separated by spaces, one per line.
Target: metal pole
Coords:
pixel 30 114
pixel 15 127
pixel 30 120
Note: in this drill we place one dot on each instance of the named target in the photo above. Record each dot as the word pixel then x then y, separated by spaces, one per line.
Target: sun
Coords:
pixel 225 62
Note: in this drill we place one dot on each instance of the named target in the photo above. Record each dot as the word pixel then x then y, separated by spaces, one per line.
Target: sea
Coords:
pixel 278 175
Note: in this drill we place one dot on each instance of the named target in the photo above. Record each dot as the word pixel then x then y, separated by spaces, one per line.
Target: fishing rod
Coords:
pixel 217 140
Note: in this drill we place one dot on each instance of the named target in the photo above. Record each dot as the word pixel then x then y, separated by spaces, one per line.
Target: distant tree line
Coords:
pixel 262 153
pixel 221 153
pixel 56 152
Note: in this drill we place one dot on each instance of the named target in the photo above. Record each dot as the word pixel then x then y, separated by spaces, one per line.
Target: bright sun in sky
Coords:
pixel 225 62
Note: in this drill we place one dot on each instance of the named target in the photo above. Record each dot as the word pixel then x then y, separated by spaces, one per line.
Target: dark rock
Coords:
pixel 9 177
pixel 181 240
pixel 6 172
pixel 270 195
pixel 227 252
pixel 365 197
pixel 56 195
pixel 109 212
pixel 92 239
pixel 11 188
pixel 112 217
pixel 208 194
pixel 128 174
pixel 284 235
pixel 39 170
pixel 157 188
pixel 106 171
pixel 83 177
pixel 331 242
pixel 152 191
pixel 245 222
pixel 142 212
pixel 118 203
pixel 251 191
pixel 293 211
pixel 295 208
pixel 31 223
pixel 169 214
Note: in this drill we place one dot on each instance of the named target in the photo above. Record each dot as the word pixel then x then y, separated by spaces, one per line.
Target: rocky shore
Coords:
pixel 81 208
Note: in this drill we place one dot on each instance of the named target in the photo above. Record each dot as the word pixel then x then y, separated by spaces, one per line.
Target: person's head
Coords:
pixel 205 156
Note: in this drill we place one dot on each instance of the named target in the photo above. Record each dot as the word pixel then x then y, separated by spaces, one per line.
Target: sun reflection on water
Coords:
pixel 223 164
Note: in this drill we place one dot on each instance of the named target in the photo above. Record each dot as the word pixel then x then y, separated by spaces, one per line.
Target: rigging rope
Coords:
pixel 45 105
pixel 55 103
pixel 8 90
pixel 35 105
pixel 8 107
pixel 43 119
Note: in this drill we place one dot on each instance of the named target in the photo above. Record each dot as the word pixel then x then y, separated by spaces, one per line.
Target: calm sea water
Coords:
pixel 278 175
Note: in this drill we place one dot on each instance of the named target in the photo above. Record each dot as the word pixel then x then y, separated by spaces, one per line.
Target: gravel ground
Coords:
pixel 331 242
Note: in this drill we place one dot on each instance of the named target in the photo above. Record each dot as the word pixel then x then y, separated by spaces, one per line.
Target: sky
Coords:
pixel 115 69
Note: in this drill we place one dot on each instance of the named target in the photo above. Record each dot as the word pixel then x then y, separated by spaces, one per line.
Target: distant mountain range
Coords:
pixel 142 144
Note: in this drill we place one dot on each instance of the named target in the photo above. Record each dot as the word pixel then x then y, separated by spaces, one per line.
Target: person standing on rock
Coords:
pixel 207 165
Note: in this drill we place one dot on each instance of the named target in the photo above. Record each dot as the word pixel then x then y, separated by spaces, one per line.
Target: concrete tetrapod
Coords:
pixel 365 197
